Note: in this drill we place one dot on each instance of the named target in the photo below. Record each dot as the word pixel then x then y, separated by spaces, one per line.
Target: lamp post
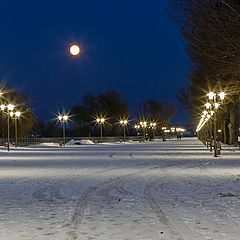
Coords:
pixel 214 101
pixel 124 124
pixel 143 124
pixel 10 108
pixel 2 107
pixel 16 116
pixel 163 133
pixel 209 113
pixel 173 131
pixel 101 121
pixel 137 128
pixel 153 127
pixel 219 131
pixel 63 119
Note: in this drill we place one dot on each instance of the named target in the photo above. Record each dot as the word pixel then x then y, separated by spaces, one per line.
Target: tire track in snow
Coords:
pixel 79 211
pixel 155 206
pixel 116 183
pixel 104 190
pixel 51 192
pixel 162 217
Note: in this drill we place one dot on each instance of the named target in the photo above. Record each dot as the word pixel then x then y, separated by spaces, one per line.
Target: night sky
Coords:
pixel 130 46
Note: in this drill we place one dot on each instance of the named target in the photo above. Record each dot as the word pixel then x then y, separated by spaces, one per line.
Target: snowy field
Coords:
pixel 172 190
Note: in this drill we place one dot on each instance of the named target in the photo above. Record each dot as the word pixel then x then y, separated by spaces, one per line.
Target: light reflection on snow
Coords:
pixel 118 191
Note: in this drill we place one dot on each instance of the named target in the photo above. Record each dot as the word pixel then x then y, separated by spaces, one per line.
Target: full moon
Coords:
pixel 74 50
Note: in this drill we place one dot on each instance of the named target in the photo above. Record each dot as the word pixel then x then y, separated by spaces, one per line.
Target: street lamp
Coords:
pixel 101 121
pixel 153 127
pixel 213 106
pixel 2 108
pixel 143 124
pixel 16 116
pixel 124 124
pixel 63 119
pixel 222 95
pixel 137 128
pixel 206 117
pixel 208 105
pixel 10 108
pixel 164 137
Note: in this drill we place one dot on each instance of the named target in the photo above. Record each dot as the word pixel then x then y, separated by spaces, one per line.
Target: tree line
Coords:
pixel 211 30
pixel 82 121
pixel 113 108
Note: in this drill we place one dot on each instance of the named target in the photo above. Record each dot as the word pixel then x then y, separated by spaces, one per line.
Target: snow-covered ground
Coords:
pixel 172 190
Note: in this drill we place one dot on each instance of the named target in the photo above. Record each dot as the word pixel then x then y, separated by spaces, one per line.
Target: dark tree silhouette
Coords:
pixel 109 105
pixel 212 31
pixel 154 110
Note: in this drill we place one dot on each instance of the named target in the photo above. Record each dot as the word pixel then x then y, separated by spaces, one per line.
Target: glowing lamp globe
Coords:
pixel 18 114
pixel 10 107
pixel 65 118
pixel 74 50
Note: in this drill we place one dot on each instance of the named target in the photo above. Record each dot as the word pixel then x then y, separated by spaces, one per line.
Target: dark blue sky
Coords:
pixel 130 46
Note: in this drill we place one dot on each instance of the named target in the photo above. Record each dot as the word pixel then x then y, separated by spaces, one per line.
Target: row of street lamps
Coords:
pixel 64 118
pixel 9 110
pixel 215 100
pixel 101 121
pixel 144 125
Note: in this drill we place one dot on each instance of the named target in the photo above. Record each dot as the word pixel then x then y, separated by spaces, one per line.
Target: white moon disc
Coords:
pixel 74 50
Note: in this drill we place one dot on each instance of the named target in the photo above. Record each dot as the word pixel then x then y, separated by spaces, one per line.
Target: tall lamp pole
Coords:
pixel 63 119
pixel 137 128
pixel 17 116
pixel 124 124
pixel 215 99
pixel 10 108
pixel 101 121
pixel 2 107
pixel 209 112
pixel 153 126
pixel 144 125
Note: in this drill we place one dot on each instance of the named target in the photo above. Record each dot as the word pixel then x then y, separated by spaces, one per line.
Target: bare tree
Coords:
pixel 154 110
pixel 211 29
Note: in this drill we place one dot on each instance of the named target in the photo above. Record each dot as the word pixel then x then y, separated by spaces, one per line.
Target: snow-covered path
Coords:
pixel 172 190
